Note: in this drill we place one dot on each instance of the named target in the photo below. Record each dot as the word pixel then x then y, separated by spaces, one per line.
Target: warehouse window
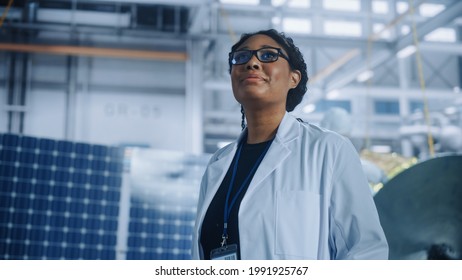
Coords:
pixel 241 2
pixel 296 25
pixel 324 105
pixel 380 7
pixel 342 28
pixel 345 5
pixel 402 7
pixel 431 9
pixel 382 29
pixel 292 3
pixel 447 35
pixel 386 107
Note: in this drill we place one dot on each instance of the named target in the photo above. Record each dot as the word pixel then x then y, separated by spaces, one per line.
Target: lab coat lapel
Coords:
pixel 217 169
pixel 278 152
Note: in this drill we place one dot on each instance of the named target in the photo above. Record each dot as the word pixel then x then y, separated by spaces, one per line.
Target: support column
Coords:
pixel 194 136
pixel 69 129
pixel 404 68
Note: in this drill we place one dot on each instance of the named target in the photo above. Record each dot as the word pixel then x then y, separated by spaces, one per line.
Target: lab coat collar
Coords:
pixel 288 130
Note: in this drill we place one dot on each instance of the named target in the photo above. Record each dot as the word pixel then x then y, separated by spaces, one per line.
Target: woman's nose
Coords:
pixel 253 63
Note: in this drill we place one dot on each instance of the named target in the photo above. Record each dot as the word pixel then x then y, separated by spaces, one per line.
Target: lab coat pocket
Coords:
pixel 297 224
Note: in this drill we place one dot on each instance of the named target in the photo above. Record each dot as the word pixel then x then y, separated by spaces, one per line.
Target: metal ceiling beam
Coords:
pixel 375 61
pixel 450 13
pixel 92 51
pixel 187 3
pixel 444 48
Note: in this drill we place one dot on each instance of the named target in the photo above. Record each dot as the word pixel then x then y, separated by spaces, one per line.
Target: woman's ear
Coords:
pixel 295 77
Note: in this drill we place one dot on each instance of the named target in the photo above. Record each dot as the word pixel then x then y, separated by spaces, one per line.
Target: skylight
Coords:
pixel 380 7
pixel 430 9
pixel 292 3
pixel 344 5
pixel 296 25
pixel 442 35
pixel 379 27
pixel 241 2
pixel 342 28
pixel 402 7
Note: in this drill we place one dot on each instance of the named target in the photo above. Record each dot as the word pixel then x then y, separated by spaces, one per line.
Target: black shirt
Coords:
pixel 212 226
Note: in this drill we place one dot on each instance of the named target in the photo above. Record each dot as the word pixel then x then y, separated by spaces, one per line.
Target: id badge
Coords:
pixel 228 252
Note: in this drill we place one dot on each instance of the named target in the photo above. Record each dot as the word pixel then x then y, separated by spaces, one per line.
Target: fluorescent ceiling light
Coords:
pixel 407 51
pixel 364 76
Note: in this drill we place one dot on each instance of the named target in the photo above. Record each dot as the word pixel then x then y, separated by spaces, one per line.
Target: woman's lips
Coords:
pixel 253 78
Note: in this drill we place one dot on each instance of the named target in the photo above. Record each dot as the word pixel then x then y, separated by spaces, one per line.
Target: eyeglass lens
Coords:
pixel 264 55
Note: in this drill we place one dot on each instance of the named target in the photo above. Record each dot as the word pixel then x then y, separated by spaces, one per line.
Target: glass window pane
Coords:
pixel 402 7
pixel 431 9
pixel 296 25
pixel 342 28
pixel 380 7
pixel 324 105
pixel 386 107
pixel 344 5
pixel 442 35
pixel 379 27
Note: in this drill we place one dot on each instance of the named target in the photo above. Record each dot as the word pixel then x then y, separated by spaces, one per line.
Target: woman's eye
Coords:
pixel 241 56
pixel 269 55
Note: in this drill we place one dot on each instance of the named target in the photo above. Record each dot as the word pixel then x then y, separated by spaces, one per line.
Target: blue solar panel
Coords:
pixel 59 199
pixel 62 200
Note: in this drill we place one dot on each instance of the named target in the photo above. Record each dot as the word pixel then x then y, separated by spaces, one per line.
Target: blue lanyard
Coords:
pixel 229 206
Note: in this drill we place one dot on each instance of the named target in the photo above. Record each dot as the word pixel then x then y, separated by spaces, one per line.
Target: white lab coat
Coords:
pixel 308 199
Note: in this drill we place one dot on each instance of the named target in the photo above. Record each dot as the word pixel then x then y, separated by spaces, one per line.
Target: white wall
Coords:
pixel 45 116
pixel 154 120
pixel 116 101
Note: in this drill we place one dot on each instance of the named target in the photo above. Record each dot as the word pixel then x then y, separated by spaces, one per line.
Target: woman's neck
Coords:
pixel 262 126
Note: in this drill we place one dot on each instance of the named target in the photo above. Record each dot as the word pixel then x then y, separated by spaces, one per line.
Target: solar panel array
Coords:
pixel 63 200
pixel 59 200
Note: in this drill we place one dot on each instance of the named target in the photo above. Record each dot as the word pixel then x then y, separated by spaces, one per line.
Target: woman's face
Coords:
pixel 259 85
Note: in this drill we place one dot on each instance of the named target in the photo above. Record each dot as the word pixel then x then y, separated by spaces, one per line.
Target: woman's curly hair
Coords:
pixel 296 62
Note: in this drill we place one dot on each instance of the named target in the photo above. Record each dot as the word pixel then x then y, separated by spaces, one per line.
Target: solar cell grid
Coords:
pixel 51 193
pixel 62 200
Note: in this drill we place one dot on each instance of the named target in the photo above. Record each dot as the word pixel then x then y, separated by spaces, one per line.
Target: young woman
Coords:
pixel 285 189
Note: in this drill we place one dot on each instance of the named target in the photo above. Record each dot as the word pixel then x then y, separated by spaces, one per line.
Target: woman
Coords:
pixel 285 189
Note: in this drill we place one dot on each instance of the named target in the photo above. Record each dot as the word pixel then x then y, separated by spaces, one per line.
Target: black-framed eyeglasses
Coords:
pixel 265 55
